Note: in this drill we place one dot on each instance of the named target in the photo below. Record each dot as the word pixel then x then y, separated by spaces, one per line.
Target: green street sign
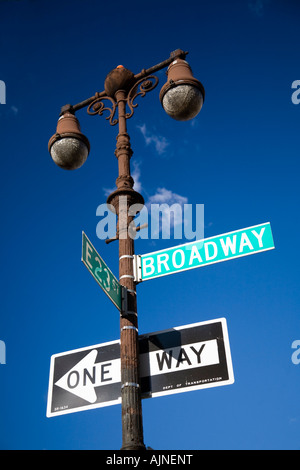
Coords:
pixel 101 272
pixel 211 250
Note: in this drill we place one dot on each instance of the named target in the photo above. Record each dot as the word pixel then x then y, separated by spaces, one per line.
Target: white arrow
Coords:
pixel 86 375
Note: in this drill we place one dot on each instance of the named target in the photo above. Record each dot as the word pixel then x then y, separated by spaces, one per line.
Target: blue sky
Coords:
pixel 239 157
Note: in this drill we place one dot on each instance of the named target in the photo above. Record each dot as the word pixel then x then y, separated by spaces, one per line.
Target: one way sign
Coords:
pixel 177 360
pixel 185 358
pixel 84 378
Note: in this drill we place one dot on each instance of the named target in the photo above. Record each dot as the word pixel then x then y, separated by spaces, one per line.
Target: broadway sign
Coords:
pixel 178 360
pixel 211 250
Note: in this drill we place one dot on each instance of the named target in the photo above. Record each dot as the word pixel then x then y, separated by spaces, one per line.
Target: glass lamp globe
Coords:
pixel 183 102
pixel 69 148
pixel 182 96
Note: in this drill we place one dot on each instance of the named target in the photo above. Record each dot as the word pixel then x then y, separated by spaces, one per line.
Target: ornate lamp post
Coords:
pixel 182 98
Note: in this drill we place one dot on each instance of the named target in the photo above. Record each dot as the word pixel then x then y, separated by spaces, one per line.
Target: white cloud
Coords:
pixel 159 142
pixel 165 196
pixel 166 208
pixel 108 191
pixel 136 174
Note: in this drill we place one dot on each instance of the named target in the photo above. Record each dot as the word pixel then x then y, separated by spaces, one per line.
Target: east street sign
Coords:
pixel 211 250
pixel 101 272
pixel 181 359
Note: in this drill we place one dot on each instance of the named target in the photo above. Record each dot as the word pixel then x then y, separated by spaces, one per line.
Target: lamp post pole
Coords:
pixel 182 98
pixel 122 199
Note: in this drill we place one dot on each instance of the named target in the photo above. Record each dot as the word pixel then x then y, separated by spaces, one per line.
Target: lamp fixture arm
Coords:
pixel 178 53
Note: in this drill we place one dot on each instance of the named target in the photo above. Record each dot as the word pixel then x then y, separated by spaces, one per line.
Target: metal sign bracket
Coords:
pixel 124 300
pixel 137 268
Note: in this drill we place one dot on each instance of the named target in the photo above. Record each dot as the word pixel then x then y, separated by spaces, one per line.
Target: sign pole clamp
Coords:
pixel 137 268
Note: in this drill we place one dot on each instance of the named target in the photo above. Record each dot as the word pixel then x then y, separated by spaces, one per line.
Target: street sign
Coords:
pixel 185 358
pixel 181 359
pixel 211 250
pixel 101 272
pixel 84 378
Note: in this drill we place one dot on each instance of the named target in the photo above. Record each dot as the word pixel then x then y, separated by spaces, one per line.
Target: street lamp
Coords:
pixel 68 148
pixel 182 98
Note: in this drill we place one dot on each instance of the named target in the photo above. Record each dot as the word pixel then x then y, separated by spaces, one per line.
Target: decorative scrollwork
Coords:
pixel 98 107
pixel 141 87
